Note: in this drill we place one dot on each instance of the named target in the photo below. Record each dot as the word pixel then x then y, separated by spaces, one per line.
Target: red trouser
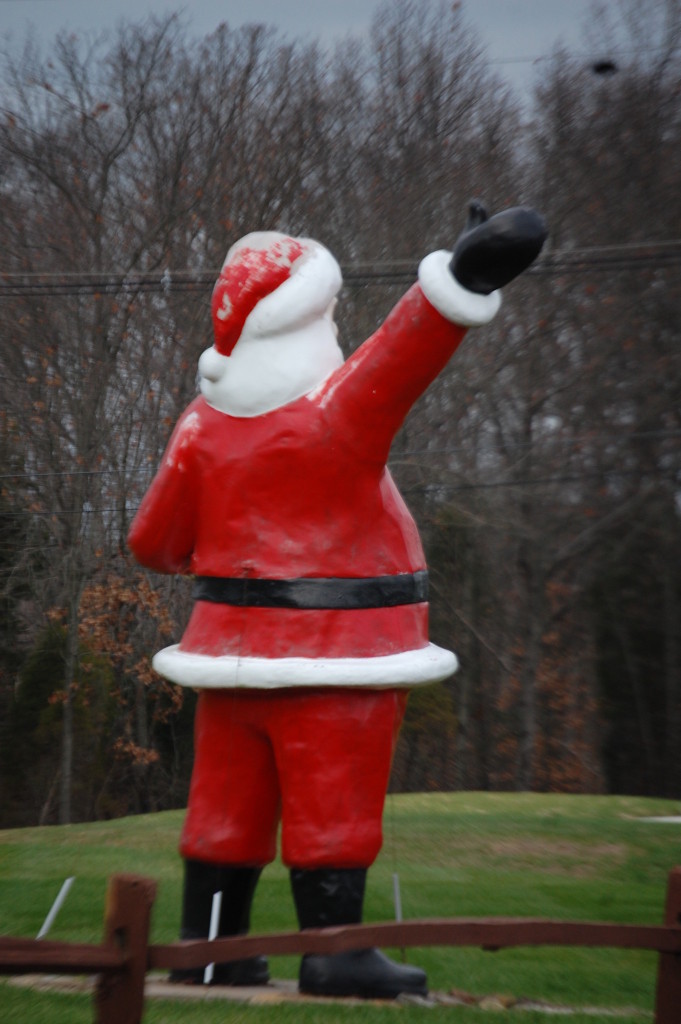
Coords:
pixel 318 759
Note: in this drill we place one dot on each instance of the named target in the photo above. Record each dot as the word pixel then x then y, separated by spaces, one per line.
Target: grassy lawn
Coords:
pixel 461 854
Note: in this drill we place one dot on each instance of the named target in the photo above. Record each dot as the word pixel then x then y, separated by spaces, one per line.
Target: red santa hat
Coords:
pixel 253 274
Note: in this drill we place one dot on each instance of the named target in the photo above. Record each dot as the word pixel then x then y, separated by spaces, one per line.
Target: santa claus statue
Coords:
pixel 310 621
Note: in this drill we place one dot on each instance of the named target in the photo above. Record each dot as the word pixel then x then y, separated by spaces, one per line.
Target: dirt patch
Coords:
pixel 671 820
pixel 277 992
pixel 559 857
pixel 514 853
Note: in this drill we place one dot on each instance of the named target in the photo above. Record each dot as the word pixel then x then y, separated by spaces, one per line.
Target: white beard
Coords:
pixel 265 372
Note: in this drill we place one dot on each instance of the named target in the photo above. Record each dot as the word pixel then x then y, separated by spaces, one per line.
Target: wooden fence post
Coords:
pixel 119 997
pixel 668 995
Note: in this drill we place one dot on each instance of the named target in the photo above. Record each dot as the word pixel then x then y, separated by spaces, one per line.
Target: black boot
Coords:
pixel 491 252
pixel 237 885
pixel 328 897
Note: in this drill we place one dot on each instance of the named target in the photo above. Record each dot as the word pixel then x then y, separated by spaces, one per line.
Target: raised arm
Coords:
pixel 374 390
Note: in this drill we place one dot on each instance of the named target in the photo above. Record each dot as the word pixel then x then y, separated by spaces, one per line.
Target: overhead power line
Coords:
pixel 568 478
pixel 621 439
pixel 627 256
pixel 435 488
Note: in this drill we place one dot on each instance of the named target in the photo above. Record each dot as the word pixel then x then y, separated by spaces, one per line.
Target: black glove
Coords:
pixel 491 252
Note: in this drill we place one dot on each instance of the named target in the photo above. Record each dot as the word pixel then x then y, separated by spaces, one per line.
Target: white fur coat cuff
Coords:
pixel 456 303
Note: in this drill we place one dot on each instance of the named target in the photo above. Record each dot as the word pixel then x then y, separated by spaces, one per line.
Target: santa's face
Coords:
pixel 265 372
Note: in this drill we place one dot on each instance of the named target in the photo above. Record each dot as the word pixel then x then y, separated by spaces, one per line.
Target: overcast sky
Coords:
pixel 515 32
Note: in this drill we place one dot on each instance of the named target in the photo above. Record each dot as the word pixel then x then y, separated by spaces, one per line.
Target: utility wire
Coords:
pixel 621 439
pixel 626 256
pixel 570 478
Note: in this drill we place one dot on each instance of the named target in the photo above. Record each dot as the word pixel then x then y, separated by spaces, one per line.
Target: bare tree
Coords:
pixel 542 460
pixel 88 211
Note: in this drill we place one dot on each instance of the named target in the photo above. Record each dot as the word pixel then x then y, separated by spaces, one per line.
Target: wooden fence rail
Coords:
pixel 122 960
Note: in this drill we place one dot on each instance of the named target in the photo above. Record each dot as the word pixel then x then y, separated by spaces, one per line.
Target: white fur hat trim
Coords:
pixel 456 303
pixel 304 297
pixel 429 664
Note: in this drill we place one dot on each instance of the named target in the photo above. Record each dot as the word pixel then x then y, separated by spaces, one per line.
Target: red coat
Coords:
pixel 301 492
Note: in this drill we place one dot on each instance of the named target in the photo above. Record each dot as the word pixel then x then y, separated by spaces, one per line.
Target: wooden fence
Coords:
pixel 125 955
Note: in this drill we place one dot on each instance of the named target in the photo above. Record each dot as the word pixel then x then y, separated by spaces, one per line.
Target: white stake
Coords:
pixel 212 933
pixel 397 898
pixel 56 907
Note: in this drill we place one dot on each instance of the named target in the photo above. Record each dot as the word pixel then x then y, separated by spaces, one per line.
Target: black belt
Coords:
pixel 339 592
